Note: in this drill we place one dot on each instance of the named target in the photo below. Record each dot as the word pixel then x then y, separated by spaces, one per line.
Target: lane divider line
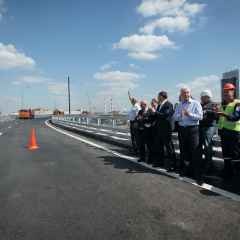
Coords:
pixel 204 186
pixel 89 142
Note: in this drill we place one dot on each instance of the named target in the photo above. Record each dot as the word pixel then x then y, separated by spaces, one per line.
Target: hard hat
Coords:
pixel 206 93
pixel 229 86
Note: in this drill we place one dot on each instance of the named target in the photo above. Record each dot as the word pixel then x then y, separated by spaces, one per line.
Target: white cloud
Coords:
pixel 108 66
pixel 143 56
pixel 134 66
pixel 149 8
pixel 57 88
pixel 172 16
pixel 11 58
pixel 144 47
pixel 34 79
pixel 31 79
pixel 117 76
pixel 117 83
pixel 170 24
pixel 211 82
pixel 193 9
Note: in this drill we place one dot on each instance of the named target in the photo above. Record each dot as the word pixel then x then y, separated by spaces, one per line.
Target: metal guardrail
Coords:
pixel 117 124
pixel 120 122
pixel 5 118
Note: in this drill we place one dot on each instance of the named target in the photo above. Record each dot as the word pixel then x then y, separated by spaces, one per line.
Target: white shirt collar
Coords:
pixel 163 102
pixel 189 101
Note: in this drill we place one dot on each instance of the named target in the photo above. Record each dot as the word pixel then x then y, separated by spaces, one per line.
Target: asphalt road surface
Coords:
pixel 68 190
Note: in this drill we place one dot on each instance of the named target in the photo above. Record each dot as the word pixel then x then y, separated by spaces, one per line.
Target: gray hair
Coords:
pixel 185 88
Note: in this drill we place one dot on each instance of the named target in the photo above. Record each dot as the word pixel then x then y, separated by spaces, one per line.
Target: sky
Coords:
pixel 108 47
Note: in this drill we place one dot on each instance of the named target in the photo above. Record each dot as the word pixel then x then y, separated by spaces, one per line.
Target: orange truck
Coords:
pixel 25 114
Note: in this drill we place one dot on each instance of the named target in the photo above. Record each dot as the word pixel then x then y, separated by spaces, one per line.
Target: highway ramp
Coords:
pixel 69 190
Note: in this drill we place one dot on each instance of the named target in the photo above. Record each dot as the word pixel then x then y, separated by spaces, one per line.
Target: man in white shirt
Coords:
pixel 132 118
pixel 188 113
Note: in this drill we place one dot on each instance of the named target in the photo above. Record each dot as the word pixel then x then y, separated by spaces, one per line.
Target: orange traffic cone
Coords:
pixel 33 141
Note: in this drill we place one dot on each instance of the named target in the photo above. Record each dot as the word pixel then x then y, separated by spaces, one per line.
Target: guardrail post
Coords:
pixel 87 120
pixel 114 123
pixel 99 122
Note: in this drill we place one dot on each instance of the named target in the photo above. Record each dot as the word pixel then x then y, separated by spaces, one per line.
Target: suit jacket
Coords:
pixel 164 115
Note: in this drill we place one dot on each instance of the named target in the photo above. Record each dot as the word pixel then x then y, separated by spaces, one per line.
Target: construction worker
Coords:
pixel 229 128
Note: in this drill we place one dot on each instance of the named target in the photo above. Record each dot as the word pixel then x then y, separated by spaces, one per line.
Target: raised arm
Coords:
pixel 129 97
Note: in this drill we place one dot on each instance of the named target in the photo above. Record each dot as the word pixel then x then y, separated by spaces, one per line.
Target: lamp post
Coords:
pixel 69 97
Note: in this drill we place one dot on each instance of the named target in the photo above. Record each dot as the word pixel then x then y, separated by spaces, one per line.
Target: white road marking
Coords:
pixel 1 133
pixel 9 127
pixel 205 186
pixel 89 142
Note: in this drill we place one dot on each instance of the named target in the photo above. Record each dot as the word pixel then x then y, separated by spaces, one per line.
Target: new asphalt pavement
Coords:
pixel 69 190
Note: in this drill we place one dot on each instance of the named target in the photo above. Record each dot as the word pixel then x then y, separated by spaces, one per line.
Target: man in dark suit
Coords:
pixel 163 136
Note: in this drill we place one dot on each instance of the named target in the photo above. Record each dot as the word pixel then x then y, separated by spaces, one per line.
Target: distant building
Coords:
pixel 42 112
pixel 114 113
pixel 231 77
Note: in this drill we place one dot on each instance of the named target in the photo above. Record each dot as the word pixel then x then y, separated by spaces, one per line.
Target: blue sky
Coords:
pixel 108 47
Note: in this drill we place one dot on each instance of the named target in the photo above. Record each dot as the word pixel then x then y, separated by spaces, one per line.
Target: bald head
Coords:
pixel 143 104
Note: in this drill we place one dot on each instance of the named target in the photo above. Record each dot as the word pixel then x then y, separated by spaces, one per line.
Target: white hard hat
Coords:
pixel 206 93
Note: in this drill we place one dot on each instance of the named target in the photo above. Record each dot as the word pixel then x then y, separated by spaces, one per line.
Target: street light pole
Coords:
pixel 69 97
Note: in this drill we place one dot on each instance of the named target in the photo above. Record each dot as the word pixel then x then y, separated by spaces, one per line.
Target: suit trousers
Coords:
pixel 190 150
pixel 162 141
pixel 133 132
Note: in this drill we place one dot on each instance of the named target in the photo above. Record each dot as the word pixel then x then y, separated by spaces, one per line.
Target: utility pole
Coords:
pixel 69 97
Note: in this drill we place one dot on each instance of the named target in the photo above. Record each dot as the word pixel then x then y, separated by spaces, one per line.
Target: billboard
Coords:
pixel 231 77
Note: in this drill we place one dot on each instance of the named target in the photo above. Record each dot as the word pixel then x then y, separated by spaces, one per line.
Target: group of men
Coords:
pixel 196 123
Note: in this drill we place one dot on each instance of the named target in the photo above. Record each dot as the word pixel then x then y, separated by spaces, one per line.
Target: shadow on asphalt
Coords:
pixel 208 193
pixel 130 167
